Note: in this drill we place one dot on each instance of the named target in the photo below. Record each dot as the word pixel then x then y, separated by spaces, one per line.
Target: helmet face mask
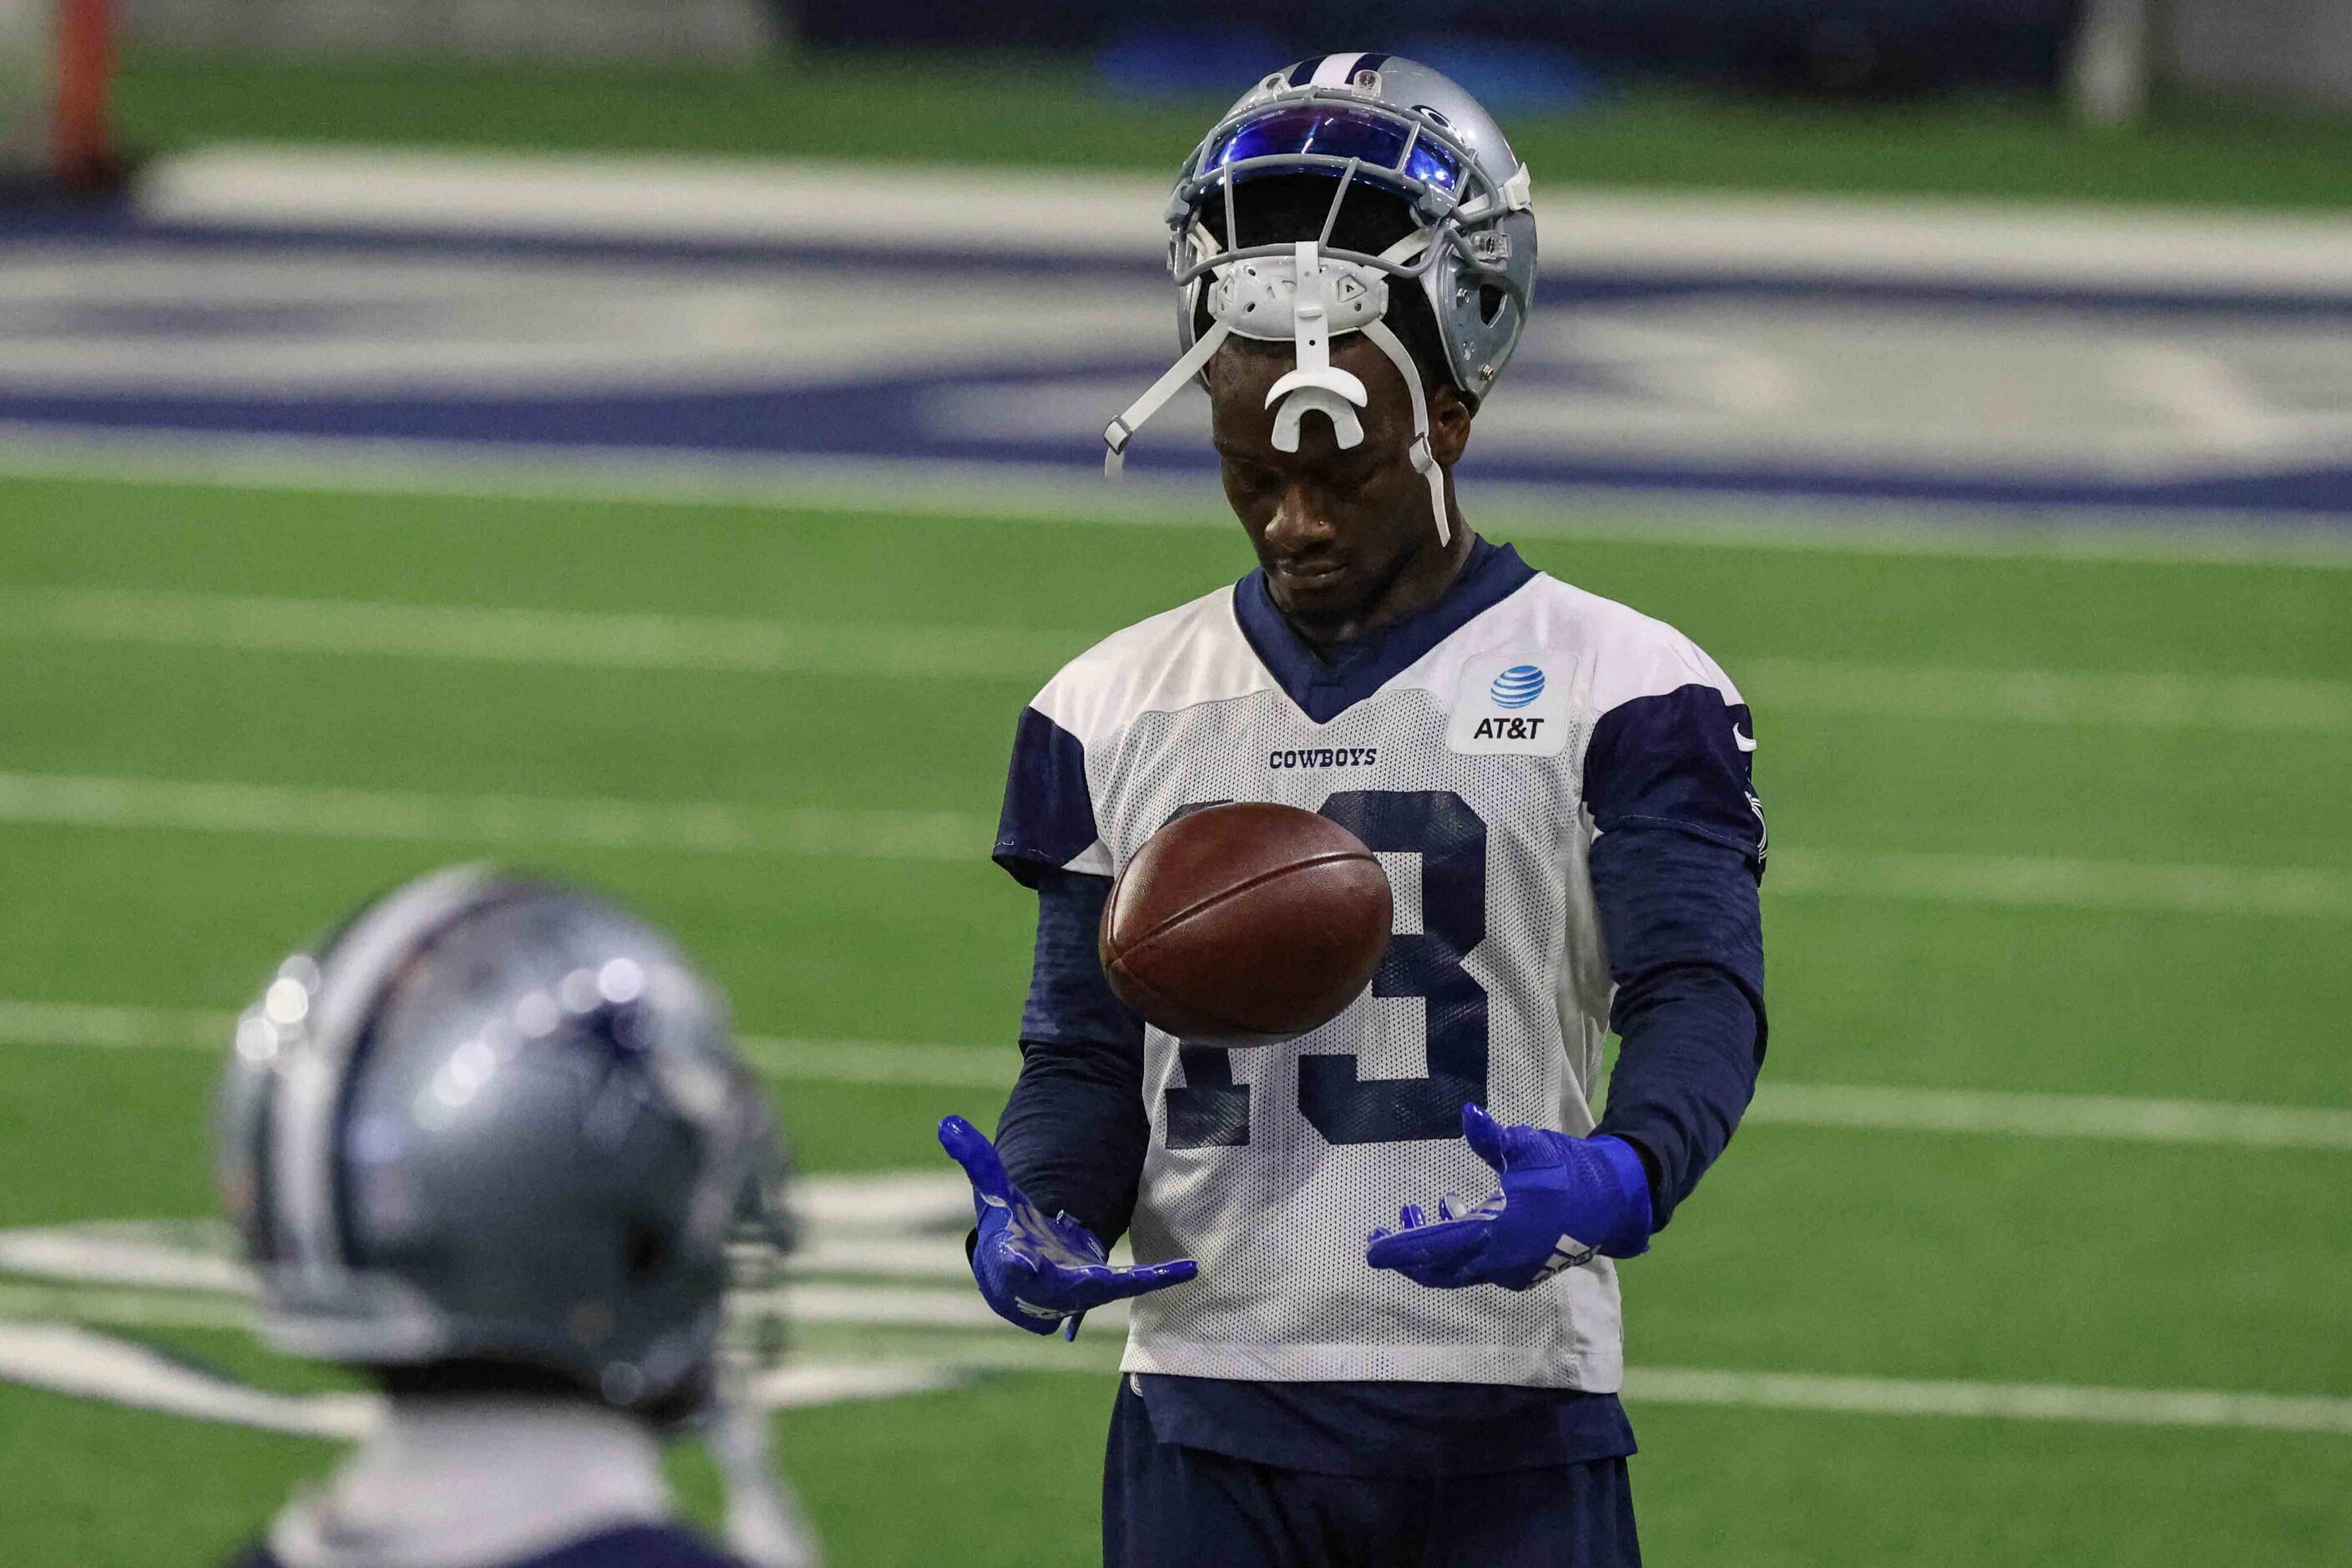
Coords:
pixel 1366 121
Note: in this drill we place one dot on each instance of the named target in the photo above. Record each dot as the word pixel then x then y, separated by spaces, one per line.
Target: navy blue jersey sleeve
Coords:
pixel 1075 1133
pixel 1680 761
pixel 1048 819
pixel 1675 867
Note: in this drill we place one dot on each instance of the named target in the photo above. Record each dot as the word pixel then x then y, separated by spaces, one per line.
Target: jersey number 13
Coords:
pixel 1212 1110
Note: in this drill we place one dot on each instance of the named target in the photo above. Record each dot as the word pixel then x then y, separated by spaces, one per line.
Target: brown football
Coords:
pixel 1245 924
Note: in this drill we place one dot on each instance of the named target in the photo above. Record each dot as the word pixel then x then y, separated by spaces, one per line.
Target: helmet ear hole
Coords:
pixel 644 1251
pixel 1490 302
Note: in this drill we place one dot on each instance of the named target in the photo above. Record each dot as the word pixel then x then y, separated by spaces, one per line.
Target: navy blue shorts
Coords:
pixel 1165 1506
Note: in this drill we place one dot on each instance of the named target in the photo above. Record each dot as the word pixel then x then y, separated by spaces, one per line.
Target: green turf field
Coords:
pixel 2128 876
pixel 2194 151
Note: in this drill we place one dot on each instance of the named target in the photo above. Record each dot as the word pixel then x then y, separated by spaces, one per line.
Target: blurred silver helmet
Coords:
pixel 494 1119
pixel 1370 121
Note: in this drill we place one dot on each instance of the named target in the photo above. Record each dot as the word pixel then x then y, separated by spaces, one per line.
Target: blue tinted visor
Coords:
pixel 1336 130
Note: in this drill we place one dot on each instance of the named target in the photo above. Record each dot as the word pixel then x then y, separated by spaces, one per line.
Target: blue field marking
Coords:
pixel 2161 402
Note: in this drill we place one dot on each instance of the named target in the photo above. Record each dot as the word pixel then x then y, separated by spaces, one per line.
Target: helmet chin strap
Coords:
pixel 1316 293
pixel 1424 461
pixel 1121 430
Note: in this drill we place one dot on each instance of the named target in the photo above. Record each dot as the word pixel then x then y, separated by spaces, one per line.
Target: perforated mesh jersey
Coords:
pixel 1272 1167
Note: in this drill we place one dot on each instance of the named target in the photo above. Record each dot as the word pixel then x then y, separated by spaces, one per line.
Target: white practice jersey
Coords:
pixel 1457 751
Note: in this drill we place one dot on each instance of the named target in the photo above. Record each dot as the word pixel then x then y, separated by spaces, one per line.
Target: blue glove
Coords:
pixel 1561 1201
pixel 1036 1273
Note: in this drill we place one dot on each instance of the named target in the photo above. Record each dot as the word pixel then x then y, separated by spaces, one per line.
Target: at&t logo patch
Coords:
pixel 1510 706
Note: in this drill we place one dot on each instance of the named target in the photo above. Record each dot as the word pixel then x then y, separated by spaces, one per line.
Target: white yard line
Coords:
pixel 703 643
pixel 468 634
pixel 1998 1401
pixel 875 1062
pixel 94 1027
pixel 893 1306
pixel 883 488
pixel 2048 697
pixel 2026 882
pixel 1007 492
pixel 1778 1103
pixel 504 821
pixel 810 1381
pixel 712 828
pixel 2012 1115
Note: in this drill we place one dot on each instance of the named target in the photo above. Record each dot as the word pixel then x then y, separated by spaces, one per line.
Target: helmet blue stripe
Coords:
pixel 263 1240
pixel 1304 72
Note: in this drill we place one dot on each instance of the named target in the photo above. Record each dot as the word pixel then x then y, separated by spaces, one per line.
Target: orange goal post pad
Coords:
pixel 56 81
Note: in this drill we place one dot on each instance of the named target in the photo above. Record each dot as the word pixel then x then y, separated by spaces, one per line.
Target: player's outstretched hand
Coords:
pixel 1040 1274
pixel 1561 1200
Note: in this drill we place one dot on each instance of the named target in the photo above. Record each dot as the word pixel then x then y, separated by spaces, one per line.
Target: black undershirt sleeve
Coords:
pixel 1074 1134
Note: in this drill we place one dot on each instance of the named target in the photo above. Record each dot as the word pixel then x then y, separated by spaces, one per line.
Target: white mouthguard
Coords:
pixel 1316 388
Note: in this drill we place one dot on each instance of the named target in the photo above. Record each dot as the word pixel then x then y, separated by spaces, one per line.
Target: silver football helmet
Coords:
pixel 1368 119
pixel 494 1119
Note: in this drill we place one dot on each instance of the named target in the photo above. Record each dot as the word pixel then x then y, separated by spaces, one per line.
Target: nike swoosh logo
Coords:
pixel 1740 741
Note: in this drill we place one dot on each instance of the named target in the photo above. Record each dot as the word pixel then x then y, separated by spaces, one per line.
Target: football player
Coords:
pixel 1334 1356
pixel 490 1143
